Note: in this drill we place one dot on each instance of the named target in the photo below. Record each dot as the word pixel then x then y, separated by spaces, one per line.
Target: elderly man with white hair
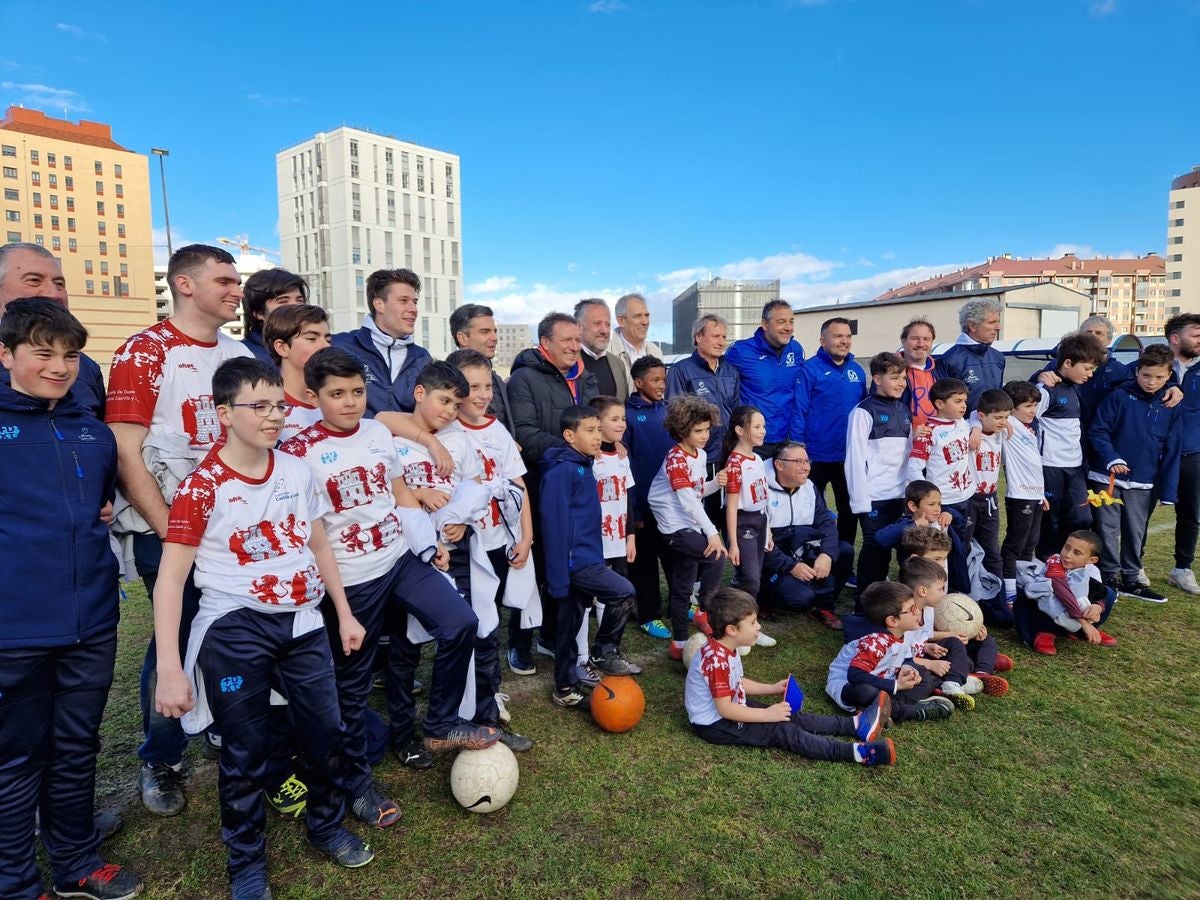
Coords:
pixel 973 360
pixel 630 340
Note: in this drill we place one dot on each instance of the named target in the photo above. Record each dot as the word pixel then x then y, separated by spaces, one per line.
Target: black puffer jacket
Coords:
pixel 537 395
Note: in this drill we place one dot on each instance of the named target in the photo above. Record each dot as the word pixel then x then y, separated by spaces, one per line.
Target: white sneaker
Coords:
pixel 505 715
pixel 1185 580
pixel 1142 578
pixel 958 695
pixel 973 685
pixel 764 640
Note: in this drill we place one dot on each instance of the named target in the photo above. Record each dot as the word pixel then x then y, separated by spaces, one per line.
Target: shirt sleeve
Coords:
pixel 716 673
pixel 733 472
pixel 679 473
pixel 133 383
pixel 190 510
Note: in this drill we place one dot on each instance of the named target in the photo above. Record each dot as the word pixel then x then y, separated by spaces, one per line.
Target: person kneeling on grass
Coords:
pixel 715 696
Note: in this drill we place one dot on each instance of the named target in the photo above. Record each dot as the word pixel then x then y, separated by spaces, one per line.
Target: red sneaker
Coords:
pixel 1004 663
pixel 675 651
pixel 826 618
pixel 1043 642
pixel 700 620
pixel 993 685
pixel 1107 640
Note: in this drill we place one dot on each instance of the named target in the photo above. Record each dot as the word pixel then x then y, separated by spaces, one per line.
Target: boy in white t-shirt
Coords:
pixel 479 442
pixel 249 518
pixel 676 496
pixel 992 410
pixel 943 456
pixel 1025 490
pixel 292 334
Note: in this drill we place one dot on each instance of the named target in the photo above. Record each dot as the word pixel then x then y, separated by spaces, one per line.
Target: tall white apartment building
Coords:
pixel 352 201
pixel 1183 244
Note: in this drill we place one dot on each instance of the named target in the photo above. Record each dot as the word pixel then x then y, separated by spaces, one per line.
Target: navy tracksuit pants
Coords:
pixel 595 582
pixel 51 703
pixel 874 559
pixel 487 649
pixel 420 589
pixel 804 734
pixel 245 654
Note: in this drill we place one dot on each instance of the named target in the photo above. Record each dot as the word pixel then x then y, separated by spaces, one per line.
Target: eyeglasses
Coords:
pixel 263 410
pixel 799 462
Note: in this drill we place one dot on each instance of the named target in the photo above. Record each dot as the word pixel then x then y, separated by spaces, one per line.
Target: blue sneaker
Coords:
pixel 692 610
pixel 346 850
pixel 852 582
pixel 520 662
pixel 876 753
pixel 871 721
pixel 587 674
pixel 656 628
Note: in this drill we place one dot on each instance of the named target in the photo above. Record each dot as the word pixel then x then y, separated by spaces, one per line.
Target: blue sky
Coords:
pixel 612 145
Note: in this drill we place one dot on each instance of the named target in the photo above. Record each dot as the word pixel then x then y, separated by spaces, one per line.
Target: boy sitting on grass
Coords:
pixel 715 696
pixel 1068 596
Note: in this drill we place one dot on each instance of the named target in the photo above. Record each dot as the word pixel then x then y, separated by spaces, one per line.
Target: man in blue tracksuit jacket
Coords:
pixel 58 614
pixel 707 374
pixel 769 364
pixel 831 384
pixel 973 360
pixel 385 345
pixel 1183 337
pixel 576 574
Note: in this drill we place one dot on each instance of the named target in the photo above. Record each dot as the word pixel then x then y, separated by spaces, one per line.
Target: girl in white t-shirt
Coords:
pixel 746 500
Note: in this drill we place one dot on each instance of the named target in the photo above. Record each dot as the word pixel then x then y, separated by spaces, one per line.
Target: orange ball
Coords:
pixel 617 703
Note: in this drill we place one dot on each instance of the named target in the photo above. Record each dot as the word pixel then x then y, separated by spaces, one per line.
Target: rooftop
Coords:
pixel 1190 180
pixel 36 122
pixel 941 295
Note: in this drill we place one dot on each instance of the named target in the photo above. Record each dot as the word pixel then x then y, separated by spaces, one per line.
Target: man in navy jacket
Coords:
pixel 707 375
pixel 1183 337
pixel 384 343
pixel 831 384
pixel 973 360
pixel 769 365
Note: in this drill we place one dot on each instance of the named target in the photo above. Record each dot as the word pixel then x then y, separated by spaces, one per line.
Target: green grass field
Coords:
pixel 1083 781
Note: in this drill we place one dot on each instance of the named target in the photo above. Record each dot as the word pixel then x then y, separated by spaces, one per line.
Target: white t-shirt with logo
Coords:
pixel 987 461
pixel 355 469
pixel 251 535
pixel 1023 475
pixel 747 477
pixel 677 492
pixel 498 460
pixel 162 379
pixel 299 417
pixel 614 478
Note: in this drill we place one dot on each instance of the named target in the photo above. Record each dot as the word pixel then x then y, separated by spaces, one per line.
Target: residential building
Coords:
pixel 352 201
pixel 1183 244
pixel 1042 310
pixel 246 264
pixel 739 303
pixel 510 340
pixel 1132 293
pixel 69 187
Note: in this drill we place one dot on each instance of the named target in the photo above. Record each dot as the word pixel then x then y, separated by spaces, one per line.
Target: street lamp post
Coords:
pixel 162 169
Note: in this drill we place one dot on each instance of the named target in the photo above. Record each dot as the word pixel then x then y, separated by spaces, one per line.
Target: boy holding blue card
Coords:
pixel 715 695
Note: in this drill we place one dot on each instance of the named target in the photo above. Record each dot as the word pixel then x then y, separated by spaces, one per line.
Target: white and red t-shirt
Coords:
pixel 499 460
pixel 614 478
pixel 677 493
pixel 747 477
pixel 355 469
pixel 298 418
pixel 162 379
pixel 1023 474
pixel 987 461
pixel 715 672
pixel 251 535
pixel 944 457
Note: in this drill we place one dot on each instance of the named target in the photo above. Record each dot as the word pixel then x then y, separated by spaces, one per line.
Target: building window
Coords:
pixel 353 170
pixel 100 188
pixel 55 243
pixel 354 149
pixel 1176 223
pixel 37 199
pixel 103 268
pixel 13 237
pixel 120 190
pixel 35 157
pixel 53 180
pixel 120 210
pixel 70 204
pixel 99 167
pixel 117 170
pixel 1178 239
pixel 87 267
pixel 37 220
pixel 122 251
pixel 10 172
pixel 72 244
pixel 51 160
pixel 35 177
pixel 54 223
pixel 39 240
pixel 121 230
pixel 104 248
pixel 104 287
pixel 70 223
pixel 1175 276
pixel 89 286
pixel 11 215
pixel 1175 257
pixel 10 150
pixel 124 270
pixel 101 228
pixel 70 182
pixel 12 194
pixel 67 163
pixel 54 201
pixel 99 207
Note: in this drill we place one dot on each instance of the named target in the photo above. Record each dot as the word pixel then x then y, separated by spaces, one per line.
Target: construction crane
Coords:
pixel 243 244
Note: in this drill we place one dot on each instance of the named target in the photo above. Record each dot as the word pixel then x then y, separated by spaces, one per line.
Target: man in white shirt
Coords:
pixel 630 341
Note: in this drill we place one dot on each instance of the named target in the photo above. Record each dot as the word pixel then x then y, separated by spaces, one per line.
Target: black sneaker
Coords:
pixel 634 668
pixel 464 736
pixel 1142 592
pixel 375 809
pixel 414 756
pixel 611 663
pixel 162 789
pixel 568 696
pixel 210 745
pixel 517 743
pixel 933 708
pixel 109 882
pixel 520 662
pixel 346 850
pixel 289 798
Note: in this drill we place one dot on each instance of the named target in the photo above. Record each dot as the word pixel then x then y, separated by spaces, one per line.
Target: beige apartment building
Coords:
pixel 71 188
pixel 740 303
pixel 511 340
pixel 1183 244
pixel 352 201
pixel 1132 293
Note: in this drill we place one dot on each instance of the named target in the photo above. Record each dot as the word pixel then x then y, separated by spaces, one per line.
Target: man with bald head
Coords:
pixel 30 270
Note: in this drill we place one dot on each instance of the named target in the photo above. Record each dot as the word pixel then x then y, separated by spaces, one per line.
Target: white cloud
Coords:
pixel 76 31
pixel 1103 8
pixel 572 267
pixel 43 95
pixel 273 102
pixel 607 7
pixel 492 284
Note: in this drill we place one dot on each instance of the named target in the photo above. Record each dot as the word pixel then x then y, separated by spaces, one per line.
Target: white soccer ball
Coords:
pixel 959 614
pixel 692 647
pixel 482 781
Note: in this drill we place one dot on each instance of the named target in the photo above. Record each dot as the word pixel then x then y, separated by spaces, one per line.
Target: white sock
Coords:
pixel 860 753
pixel 1010 585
